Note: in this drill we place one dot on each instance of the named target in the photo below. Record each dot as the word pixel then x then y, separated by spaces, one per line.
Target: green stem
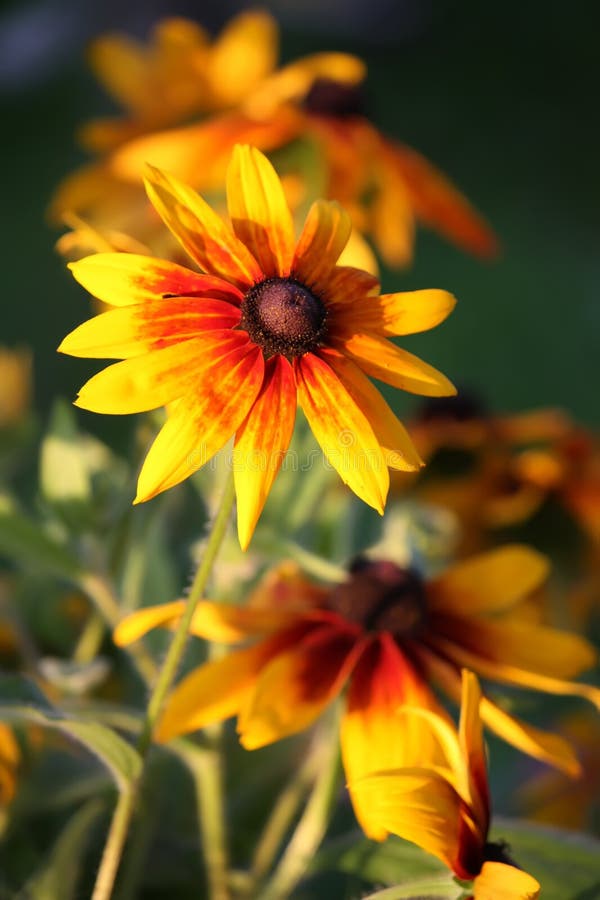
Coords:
pixel 90 639
pixel 125 808
pixel 209 782
pixel 311 828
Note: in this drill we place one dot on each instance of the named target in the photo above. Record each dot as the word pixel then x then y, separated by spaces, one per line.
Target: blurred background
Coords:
pixel 501 96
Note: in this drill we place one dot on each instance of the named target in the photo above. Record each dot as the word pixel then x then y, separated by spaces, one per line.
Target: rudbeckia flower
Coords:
pixel 388 635
pixel 267 322
pixel 445 808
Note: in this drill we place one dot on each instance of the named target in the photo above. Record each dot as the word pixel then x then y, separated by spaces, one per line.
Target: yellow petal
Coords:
pixel 145 382
pixel 398 449
pixel 245 52
pixel 398 314
pixel 132 330
pixel 498 881
pixel 324 236
pixel 122 279
pixel 473 749
pixel 293 690
pixel 205 419
pixel 138 623
pixel 381 359
pixel 342 430
pixel 259 211
pixel 261 443
pixel 489 582
pixel 200 231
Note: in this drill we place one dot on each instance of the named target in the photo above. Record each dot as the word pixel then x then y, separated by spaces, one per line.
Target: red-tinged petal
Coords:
pixel 259 211
pixel 528 645
pixel 397 314
pixel 122 279
pixel 548 747
pixel 345 285
pixel 294 689
pixel 213 692
pixel 473 748
pixel 205 419
pixel 148 381
pixel 381 359
pixel 133 330
pixel 200 231
pixel 490 582
pixel 498 881
pixel 342 430
pixel 261 443
pixel 138 623
pixel 398 449
pixel 373 736
pixel 439 204
pixel 324 236
pixel 286 587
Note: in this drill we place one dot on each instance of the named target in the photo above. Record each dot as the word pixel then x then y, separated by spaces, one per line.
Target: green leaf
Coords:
pixel 57 880
pixel 64 471
pixel 27 544
pixel 444 888
pixel 566 864
pixel 392 862
pixel 24 703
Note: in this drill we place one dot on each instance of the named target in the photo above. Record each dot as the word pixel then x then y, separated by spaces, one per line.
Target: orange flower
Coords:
pixel 269 322
pixel 445 808
pixel 388 634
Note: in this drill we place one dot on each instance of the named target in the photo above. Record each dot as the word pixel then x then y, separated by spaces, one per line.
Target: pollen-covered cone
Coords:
pixel 263 323
pixel 444 807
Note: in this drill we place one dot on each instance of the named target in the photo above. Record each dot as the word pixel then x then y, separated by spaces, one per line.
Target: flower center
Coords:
pixel 327 97
pixel 381 596
pixel 282 316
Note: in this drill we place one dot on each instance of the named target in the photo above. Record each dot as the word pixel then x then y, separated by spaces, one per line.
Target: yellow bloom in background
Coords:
pixel 235 94
pixel 446 808
pixel 15 385
pixel 389 635
pixel 10 758
pixel 268 323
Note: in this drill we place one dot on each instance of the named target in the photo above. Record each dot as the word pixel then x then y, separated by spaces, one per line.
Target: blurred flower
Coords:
pixel 389 634
pixel 550 798
pixel 10 758
pixel 272 323
pixel 387 187
pixel 15 385
pixel 446 808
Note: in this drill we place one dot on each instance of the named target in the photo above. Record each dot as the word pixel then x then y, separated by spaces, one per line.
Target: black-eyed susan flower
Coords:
pixel 266 323
pixel 388 635
pixel 445 807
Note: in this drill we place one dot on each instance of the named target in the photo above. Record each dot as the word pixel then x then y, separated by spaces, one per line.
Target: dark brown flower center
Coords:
pixel 381 596
pixel 327 97
pixel 282 316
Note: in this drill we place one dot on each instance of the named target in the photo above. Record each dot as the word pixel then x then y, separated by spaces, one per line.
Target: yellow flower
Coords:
pixel 389 635
pixel 10 758
pixel 270 322
pixel 445 807
pixel 15 385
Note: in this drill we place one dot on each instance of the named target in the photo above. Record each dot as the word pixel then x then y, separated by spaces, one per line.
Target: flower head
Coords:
pixel 445 808
pixel 269 322
pixel 387 634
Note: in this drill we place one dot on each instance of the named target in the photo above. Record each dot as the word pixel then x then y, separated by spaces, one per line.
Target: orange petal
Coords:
pixel 373 737
pixel 259 211
pixel 324 236
pixel 294 689
pixel 138 623
pixel 498 881
pixel 200 231
pixel 133 330
pixel 489 582
pixel 473 748
pixel 261 443
pixel 242 56
pixel 285 586
pixel 398 449
pixel 439 204
pixel 345 285
pixel 397 314
pixel 383 360
pixel 148 381
pixel 122 279
pixel 343 431
pixel 205 419
pixel 213 692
